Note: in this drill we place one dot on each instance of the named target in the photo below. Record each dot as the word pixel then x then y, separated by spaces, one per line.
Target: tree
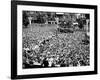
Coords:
pixel 25 19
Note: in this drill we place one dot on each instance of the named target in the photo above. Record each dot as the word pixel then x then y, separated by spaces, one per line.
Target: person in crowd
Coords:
pixel 45 63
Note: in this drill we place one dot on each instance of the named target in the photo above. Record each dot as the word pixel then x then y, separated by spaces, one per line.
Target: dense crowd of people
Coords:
pixel 53 49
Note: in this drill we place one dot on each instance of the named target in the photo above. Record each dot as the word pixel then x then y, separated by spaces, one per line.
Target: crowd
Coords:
pixel 52 49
